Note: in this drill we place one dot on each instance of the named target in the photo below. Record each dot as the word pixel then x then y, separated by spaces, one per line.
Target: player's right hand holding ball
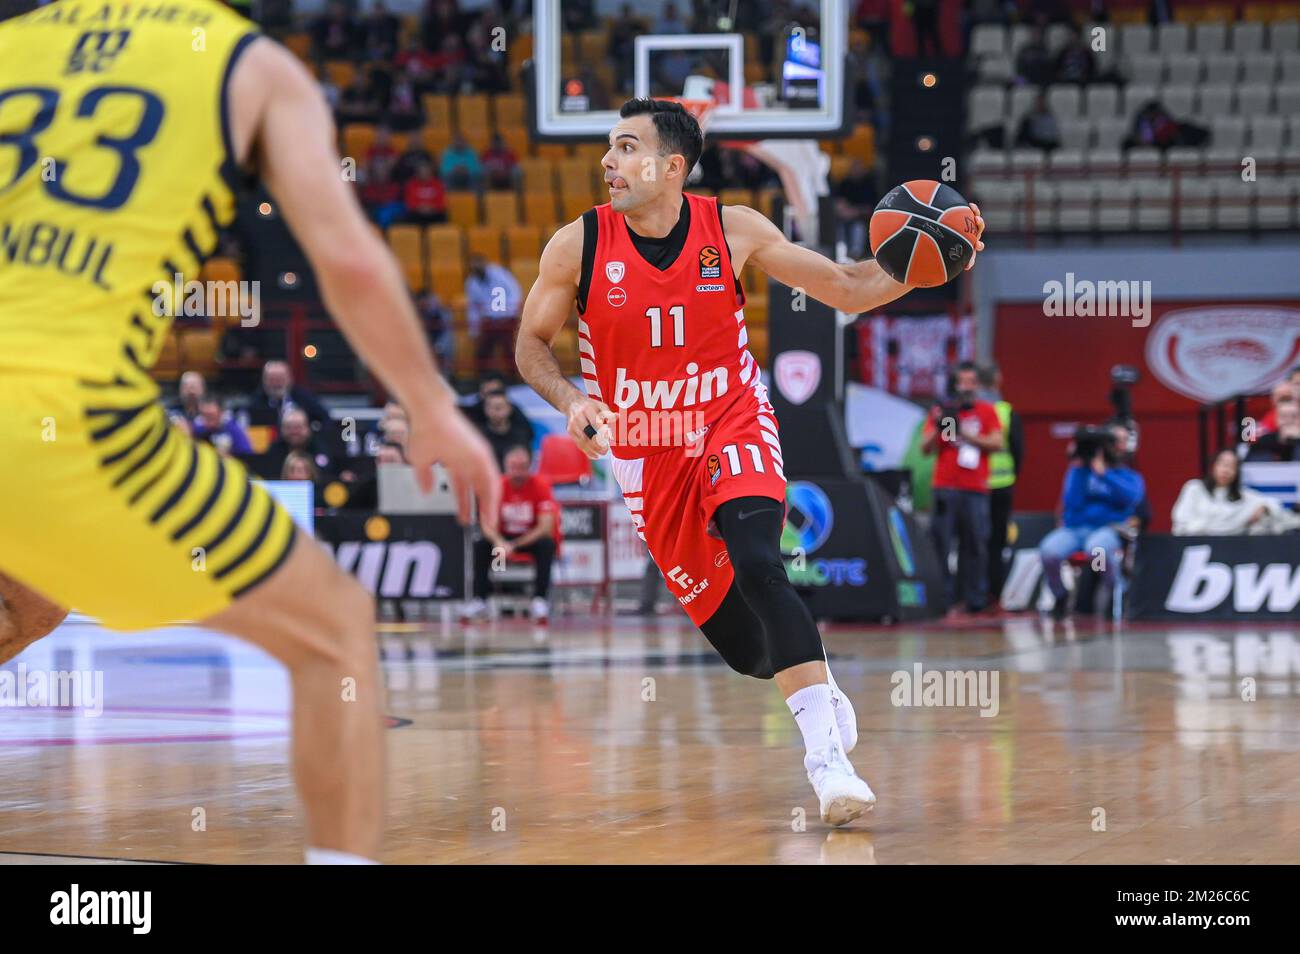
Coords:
pixel 589 426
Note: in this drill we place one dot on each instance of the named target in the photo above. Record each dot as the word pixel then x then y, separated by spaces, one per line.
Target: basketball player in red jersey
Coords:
pixel 662 342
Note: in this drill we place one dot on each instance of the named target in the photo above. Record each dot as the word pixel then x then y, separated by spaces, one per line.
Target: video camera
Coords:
pixel 1089 439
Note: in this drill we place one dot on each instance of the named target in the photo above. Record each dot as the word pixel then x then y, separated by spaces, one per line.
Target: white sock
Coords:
pixel 830 681
pixel 812 710
pixel 327 856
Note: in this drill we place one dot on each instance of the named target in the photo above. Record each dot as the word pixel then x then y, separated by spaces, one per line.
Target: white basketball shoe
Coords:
pixel 842 796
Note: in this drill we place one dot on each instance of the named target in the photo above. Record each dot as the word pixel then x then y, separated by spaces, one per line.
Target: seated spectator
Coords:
pixel 1038 128
pixel 500 164
pixel 1281 444
pixel 461 168
pixel 494 382
pixel 1155 127
pixel 438 324
pixel 404 111
pixel 336 35
pixel 220 429
pixel 189 392
pixel 299 466
pixel 381 193
pixel 492 304
pixel 1217 505
pixel 1034 64
pixel 357 103
pixel 277 393
pixel 382 30
pixel 449 64
pixel 623 31
pixel 424 197
pixel 1288 390
pixel 1099 495
pixel 501 431
pixel 529 524
pixel 417 63
pixel 296 435
pixel 1075 62
pixel 856 196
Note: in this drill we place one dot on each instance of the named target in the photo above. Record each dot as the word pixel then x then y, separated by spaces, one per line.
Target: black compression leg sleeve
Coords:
pixel 751 528
pixel 737 634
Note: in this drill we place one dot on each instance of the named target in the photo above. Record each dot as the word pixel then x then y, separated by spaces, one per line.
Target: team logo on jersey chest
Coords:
pixel 710 262
pixel 614 272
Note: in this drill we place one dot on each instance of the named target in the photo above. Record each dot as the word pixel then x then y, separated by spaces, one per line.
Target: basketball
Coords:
pixel 923 233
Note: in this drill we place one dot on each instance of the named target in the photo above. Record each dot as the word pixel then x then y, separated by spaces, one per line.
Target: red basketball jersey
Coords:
pixel 664 348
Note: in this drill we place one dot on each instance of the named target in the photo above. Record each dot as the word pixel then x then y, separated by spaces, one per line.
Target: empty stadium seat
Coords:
pixel 445 245
pixel 1110 133
pixel 484 240
pixel 988 39
pixel 1135 97
pixel 1247 37
pixel 1259 68
pixel 1179 100
pixel 1275 204
pixel 1064 100
pixel 1143 162
pixel 1210 38
pixel 1234 202
pixel 1195 206
pixel 1153 204
pixel 501 208
pixel 1222 68
pixel 523 241
pixel 985 162
pixel 1284 36
pixel 1214 100
pixel 1115 205
pixel 1101 100
pixel 462 208
pixel 1228 132
pixel 1254 99
pixel 1135 39
pixel 1183 68
pixel 1076 210
pixel 1144 69
pixel 1172 38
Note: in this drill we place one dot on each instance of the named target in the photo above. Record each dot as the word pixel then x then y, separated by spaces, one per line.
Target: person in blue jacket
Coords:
pixel 1099 496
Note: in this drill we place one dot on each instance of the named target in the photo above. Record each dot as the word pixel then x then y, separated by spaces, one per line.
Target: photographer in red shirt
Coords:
pixel 529 524
pixel 963 431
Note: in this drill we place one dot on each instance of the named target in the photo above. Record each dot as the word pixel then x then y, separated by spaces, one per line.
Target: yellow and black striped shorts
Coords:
pixel 107 508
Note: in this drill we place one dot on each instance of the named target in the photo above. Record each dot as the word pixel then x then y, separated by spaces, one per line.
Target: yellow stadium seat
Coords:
pixel 357 140
pixel 594 44
pixel 437 110
pixel 299 44
pixel 840 167
pixel 861 144
pixel 519 50
pixel 525 272
pixel 197 349
pixel 220 269
pixel 589 155
pixel 341 73
pixel 400 142
pixel 445 244
pixel 405 241
pixel 479 137
pixel 523 241
pixel 435 140
pixel 508 111
pixel 539 208
pixel 501 208
pixel 472 111
pixel 737 197
pixel 538 175
pixel 573 205
pixel 448 281
pixel 518 141
pixel 767 202
pixel 552 150
pixel 466 350
pixel 484 240
pixel 462 208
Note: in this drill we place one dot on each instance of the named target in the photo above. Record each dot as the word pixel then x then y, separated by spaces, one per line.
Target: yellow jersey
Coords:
pixel 115 174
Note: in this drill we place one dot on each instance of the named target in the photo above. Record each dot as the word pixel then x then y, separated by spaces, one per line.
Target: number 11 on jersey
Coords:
pixel 678 314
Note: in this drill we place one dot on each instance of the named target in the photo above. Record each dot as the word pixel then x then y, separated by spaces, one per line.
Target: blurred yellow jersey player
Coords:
pixel 115 174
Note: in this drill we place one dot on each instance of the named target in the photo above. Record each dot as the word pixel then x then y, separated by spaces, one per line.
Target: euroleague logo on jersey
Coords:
pixel 714 467
pixel 710 262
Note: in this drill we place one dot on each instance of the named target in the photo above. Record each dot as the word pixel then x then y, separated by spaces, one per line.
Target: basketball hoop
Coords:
pixel 701 109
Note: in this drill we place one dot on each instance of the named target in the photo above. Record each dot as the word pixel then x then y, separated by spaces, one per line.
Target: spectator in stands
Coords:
pixel 441 19
pixel 1283 443
pixel 424 197
pixel 529 524
pixel 189 393
pixel 449 65
pixel 623 31
pixel 963 431
pixel 299 466
pixel 461 168
pixel 357 103
pixel 438 325
pixel 381 193
pixel 670 22
pixel 220 429
pixel 500 164
pixel 336 35
pixel 492 303
pixel 1075 62
pixel 417 63
pixel 404 111
pixel 1283 391
pixel 1099 497
pixel 1038 127
pixel 856 196
pixel 1155 127
pixel 277 393
pixel 501 431
pixel 1034 64
pixel 486 64
pixel 925 21
pixel 296 435
pixel 1217 505
pixel 382 30
pixel 494 382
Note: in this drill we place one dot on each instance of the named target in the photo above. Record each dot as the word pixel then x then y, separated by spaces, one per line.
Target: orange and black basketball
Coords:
pixel 923 233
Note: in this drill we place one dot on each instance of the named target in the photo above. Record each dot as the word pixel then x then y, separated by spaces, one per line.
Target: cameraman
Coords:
pixel 1099 500
pixel 964 431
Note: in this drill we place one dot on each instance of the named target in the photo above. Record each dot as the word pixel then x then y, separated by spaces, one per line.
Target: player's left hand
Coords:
pixel 979 232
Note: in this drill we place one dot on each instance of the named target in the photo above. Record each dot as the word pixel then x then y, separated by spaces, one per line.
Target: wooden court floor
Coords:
pixel 600 741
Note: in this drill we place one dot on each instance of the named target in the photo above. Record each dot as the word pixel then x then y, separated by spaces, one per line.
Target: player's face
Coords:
pixel 633 168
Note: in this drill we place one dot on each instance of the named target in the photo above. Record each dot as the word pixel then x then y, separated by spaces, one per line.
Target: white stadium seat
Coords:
pixel 1179 100
pixel 1210 38
pixel 1143 68
pixel 1077 205
pixel 1183 68
pixel 1275 204
pixel 1195 203
pixel 1143 161
pixel 1172 38
pixel 988 39
pixel 1214 100
pixel 996 69
pixel 1254 99
pixel 1186 158
pixel 1027 160
pixel 1247 37
pixel 1076 134
pixel 1266 131
pixel 1115 205
pixel 988 162
pixel 1289 68
pixel 1222 68
pixel 1259 68
pixel 1284 36
pixel 985 107
pixel 1021 101
pixel 1233 201
pixel 1105 160
pixel 1067 161
pixel 1153 204
pixel 1288 99
pixel 1040 206
pixel 1135 39
pixel 1227 132
pixel 1135 97
pixel 1100 100
pixel 1063 99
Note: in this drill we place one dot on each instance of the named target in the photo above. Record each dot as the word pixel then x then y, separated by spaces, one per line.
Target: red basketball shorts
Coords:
pixel 673 494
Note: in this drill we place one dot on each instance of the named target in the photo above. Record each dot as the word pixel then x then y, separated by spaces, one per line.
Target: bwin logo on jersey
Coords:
pixel 683 392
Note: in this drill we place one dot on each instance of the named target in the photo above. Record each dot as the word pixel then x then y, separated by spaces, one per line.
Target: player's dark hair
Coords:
pixel 677 129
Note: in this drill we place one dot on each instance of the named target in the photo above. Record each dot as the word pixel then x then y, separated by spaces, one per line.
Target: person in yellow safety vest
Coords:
pixel 1004 465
